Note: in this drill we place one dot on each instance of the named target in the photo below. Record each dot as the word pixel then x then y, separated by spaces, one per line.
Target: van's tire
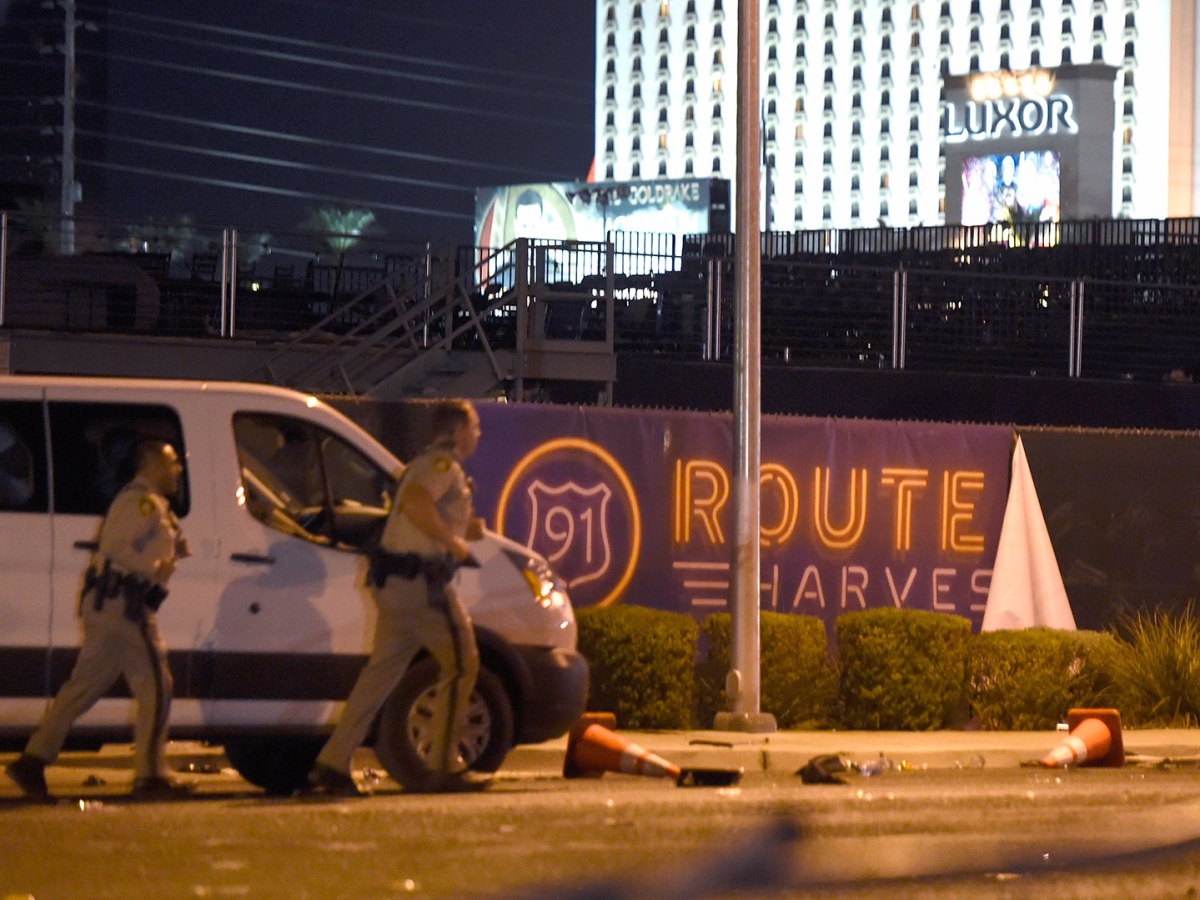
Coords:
pixel 403 739
pixel 278 765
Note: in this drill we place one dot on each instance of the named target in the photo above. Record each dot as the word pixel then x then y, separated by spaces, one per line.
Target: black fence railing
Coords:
pixel 1103 299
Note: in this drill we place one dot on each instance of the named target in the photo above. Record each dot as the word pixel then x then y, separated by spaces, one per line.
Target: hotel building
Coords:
pixel 873 110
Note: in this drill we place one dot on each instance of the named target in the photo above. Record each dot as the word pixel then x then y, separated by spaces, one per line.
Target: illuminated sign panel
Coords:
pixel 1011 187
pixel 1034 146
pixel 586 211
pixel 989 119
pixel 635 507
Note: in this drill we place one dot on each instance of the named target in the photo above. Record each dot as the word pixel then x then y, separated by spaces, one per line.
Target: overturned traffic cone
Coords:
pixel 1094 740
pixel 593 750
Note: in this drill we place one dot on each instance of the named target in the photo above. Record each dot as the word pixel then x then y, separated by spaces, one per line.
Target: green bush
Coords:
pixel 1027 680
pixel 643 664
pixel 901 669
pixel 1157 671
pixel 798 685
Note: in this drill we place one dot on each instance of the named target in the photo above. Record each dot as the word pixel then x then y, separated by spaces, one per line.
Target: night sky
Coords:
pixel 507 87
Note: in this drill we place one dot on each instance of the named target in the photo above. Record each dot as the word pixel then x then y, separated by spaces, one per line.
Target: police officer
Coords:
pixel 424 539
pixel 139 544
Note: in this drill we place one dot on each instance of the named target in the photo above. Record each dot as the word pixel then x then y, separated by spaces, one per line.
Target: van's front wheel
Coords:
pixel 278 765
pixel 406 736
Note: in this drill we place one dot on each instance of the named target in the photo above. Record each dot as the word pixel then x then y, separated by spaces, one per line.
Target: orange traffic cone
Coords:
pixel 1094 740
pixel 593 750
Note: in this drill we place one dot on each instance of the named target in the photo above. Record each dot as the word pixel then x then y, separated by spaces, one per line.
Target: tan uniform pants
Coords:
pixel 113 646
pixel 407 622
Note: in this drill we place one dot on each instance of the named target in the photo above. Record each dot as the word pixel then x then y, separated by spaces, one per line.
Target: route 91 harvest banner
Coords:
pixel 634 506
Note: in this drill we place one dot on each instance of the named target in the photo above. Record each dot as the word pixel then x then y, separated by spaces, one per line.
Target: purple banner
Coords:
pixel 635 506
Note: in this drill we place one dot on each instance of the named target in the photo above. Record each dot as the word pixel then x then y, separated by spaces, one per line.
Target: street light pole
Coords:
pixel 743 684
pixel 67 232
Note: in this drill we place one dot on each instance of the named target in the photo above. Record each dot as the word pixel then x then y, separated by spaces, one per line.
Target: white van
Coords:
pixel 268 622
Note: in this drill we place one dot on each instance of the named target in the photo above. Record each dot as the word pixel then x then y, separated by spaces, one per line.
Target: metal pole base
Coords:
pixel 752 723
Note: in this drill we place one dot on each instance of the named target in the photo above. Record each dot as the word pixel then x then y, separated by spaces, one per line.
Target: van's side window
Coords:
pixel 92 448
pixel 303 480
pixel 23 483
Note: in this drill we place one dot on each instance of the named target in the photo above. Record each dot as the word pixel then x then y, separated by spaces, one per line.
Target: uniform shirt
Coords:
pixel 438 470
pixel 139 531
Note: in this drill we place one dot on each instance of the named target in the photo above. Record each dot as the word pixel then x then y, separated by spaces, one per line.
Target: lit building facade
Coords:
pixel 854 97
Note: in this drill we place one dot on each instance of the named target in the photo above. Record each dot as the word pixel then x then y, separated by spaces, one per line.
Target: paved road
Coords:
pixel 956 829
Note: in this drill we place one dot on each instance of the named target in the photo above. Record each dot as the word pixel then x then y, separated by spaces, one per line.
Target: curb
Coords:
pixel 785 752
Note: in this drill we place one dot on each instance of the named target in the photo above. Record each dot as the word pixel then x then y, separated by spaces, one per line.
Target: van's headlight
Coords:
pixel 548 589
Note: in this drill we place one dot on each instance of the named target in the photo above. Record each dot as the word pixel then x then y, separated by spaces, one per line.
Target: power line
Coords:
pixel 281 192
pixel 274 161
pixel 346 66
pixel 329 91
pixel 311 141
pixel 318 45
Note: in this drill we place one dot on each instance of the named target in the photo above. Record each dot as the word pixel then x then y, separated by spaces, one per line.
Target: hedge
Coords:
pixel 896 669
pixel 642 664
pixel 1027 680
pixel 798 684
pixel 902 669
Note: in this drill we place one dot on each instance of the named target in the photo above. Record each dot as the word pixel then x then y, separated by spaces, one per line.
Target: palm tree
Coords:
pixel 339 230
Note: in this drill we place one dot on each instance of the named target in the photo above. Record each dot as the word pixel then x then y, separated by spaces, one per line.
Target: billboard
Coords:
pixel 1031 146
pixel 1011 187
pixel 636 506
pixel 587 211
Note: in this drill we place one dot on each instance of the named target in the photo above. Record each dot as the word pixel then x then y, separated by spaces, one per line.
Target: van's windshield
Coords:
pixel 306 481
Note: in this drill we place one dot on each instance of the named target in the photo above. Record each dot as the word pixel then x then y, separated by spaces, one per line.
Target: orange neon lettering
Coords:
pixel 840 538
pixel 789 504
pixel 906 482
pixel 957 512
pixel 706 507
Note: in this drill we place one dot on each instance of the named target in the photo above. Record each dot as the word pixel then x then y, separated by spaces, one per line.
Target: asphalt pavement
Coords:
pixel 781 752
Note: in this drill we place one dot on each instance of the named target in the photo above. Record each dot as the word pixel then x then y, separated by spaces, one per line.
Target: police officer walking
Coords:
pixel 424 540
pixel 139 544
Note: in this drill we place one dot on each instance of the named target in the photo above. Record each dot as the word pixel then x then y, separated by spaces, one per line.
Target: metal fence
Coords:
pixel 826 314
pixel 184 279
pixel 951 300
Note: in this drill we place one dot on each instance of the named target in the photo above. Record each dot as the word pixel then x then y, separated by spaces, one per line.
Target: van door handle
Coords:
pixel 87 545
pixel 256 558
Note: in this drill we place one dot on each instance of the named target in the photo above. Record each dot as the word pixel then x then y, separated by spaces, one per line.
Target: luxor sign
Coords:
pixel 1012 104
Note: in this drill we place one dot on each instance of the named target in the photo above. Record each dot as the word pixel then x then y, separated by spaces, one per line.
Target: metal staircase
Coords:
pixel 433 327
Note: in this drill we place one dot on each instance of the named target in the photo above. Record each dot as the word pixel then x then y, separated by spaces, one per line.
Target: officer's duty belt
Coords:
pixel 140 593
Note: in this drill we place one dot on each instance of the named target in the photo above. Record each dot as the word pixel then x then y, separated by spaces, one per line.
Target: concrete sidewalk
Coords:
pixel 787 751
